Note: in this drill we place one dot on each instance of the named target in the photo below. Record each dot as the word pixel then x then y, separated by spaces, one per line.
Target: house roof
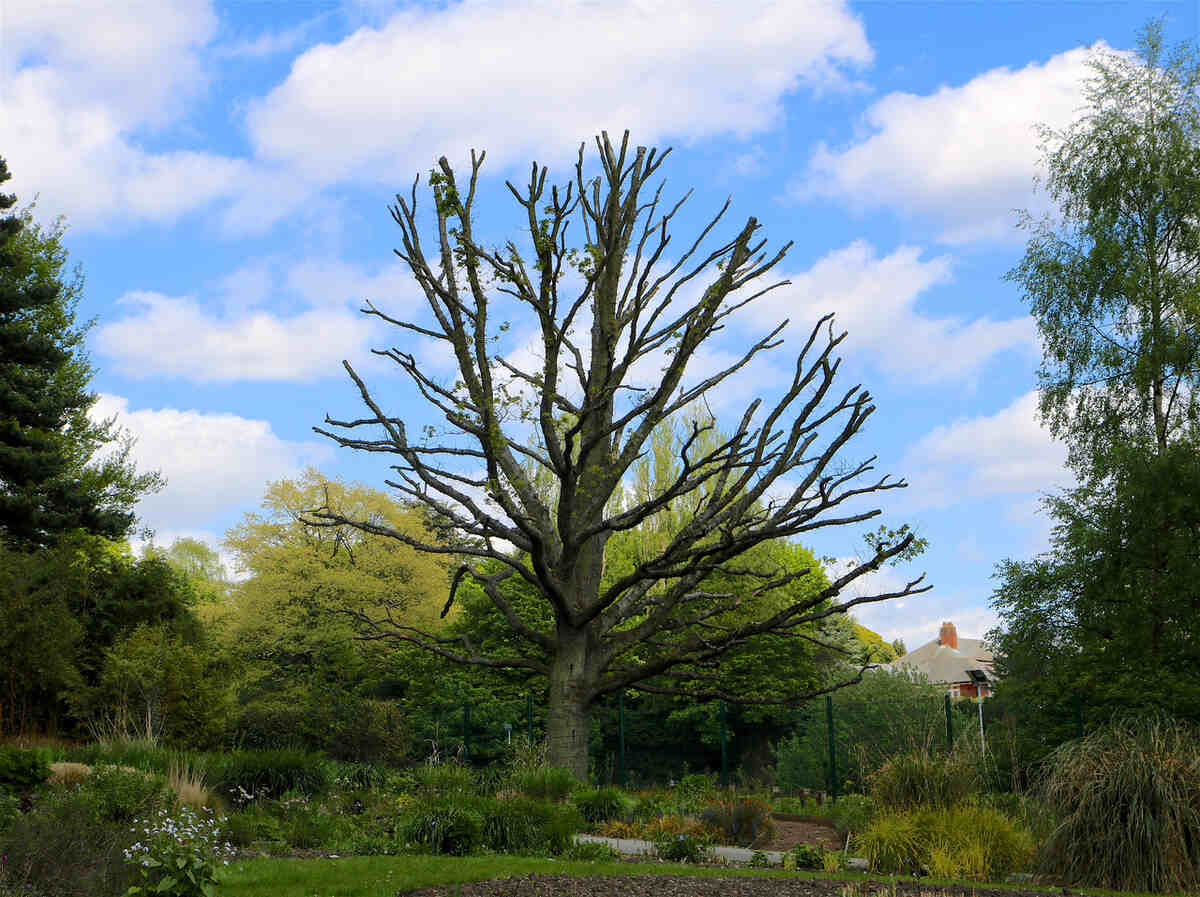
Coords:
pixel 941 663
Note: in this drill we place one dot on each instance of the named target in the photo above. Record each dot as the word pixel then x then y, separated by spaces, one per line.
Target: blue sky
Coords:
pixel 225 171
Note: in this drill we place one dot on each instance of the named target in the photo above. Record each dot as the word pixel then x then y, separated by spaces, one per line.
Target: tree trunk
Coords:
pixel 569 720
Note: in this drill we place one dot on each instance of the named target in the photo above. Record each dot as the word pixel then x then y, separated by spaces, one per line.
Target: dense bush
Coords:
pixel 443 779
pixel 528 826
pixel 442 826
pixel 22 768
pixel 10 809
pixel 850 813
pixel 602 804
pixel 252 824
pixel 545 783
pixel 680 849
pixel 961 842
pixel 247 774
pixel 916 779
pixel 1128 797
pixel 807 856
pixel 743 820
pixel 117 794
pixel 60 849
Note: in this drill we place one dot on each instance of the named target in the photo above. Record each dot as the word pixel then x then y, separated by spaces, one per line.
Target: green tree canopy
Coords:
pixel 54 476
pixel 1109 613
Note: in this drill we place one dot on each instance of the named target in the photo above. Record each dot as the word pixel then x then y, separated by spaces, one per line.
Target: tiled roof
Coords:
pixel 941 663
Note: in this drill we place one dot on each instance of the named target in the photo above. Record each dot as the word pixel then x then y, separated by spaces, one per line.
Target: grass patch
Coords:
pixel 385 876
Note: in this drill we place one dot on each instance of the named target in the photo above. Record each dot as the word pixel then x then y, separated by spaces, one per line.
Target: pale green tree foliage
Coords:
pixel 294 625
pixel 1113 283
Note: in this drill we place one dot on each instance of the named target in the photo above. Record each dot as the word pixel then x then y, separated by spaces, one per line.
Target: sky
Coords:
pixel 225 171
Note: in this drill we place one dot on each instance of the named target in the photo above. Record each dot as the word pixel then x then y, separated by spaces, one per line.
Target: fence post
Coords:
pixel 949 727
pixel 621 739
pixel 724 757
pixel 529 718
pixel 833 787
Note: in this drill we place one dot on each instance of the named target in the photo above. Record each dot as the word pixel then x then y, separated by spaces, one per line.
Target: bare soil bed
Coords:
pixel 687 886
pixel 792 831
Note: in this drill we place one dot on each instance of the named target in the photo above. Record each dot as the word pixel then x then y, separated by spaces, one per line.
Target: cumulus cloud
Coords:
pixel 230 336
pixel 517 77
pixel 78 101
pixel 212 461
pixel 875 299
pixel 178 337
pixel 964 156
pixel 1007 452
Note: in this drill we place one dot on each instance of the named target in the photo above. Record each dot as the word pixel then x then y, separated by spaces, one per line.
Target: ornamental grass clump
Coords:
pixel 916 779
pixel 1128 797
pixel 178 854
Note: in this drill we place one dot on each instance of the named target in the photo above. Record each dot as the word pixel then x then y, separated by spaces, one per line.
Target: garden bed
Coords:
pixel 691 886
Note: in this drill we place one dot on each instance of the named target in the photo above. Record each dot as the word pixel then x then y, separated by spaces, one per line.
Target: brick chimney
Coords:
pixel 948 636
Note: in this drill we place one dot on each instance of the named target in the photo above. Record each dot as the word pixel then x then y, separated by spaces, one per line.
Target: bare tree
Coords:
pixel 654 628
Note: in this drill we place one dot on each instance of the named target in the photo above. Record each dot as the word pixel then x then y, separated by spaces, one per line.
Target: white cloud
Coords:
pixel 189 338
pixel 178 337
pixel 1007 452
pixel 964 156
pixel 84 83
pixel 875 300
pixel 212 462
pixel 517 77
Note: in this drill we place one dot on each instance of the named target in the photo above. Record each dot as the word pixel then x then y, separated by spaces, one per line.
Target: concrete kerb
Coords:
pixel 637 848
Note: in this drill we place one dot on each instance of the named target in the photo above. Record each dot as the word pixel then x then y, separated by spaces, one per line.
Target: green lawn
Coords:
pixel 380 876
pixel 385 876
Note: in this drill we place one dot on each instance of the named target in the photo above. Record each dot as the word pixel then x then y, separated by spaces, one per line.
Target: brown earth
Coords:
pixel 687 886
pixel 790 831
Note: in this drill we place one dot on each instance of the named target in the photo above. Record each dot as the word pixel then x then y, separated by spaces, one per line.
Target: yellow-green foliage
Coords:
pixel 915 779
pixel 960 842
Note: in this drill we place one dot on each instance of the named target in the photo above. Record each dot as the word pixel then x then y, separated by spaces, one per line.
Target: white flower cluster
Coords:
pixel 185 829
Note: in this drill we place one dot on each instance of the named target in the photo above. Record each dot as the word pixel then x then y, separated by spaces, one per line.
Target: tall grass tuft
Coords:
pixel 916 779
pixel 1128 796
pixel 188 783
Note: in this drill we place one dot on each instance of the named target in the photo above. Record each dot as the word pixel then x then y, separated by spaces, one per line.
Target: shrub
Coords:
pixel 1128 797
pixel 119 794
pixel 178 854
pixel 649 806
pixel 807 856
pixel 744 821
pixel 851 813
pixel 442 826
pixel 10 809
pixel 309 827
pixel 250 825
pixel 916 779
pixel 22 769
pixel 244 775
pixel 545 782
pixel 524 826
pixel 964 842
pixel 444 779
pixel 832 862
pixel 680 849
pixel 590 851
pixel 60 849
pixel 602 804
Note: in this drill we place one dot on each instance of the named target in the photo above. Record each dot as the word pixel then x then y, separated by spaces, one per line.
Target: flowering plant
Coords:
pixel 178 853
